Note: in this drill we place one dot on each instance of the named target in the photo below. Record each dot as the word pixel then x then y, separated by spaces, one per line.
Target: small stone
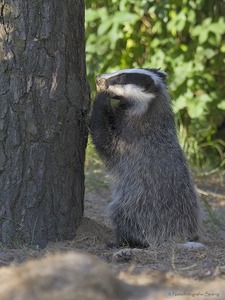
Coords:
pixel 191 245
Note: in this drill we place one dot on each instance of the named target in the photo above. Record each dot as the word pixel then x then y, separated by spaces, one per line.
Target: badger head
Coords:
pixel 138 87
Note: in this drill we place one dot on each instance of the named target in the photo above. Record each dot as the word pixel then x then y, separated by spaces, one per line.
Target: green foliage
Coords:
pixel 95 175
pixel 186 38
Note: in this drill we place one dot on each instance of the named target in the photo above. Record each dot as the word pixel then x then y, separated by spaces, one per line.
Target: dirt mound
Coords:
pixel 73 275
pixel 93 231
pixel 60 276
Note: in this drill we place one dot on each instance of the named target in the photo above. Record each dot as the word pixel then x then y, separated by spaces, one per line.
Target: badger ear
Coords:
pixel 162 74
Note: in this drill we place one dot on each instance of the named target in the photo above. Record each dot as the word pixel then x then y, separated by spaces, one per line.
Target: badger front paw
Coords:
pixel 102 99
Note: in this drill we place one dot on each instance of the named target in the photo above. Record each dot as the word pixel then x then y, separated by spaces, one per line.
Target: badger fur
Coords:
pixel 153 197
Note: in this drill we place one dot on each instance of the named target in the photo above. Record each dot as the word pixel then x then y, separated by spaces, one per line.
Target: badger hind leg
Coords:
pixel 127 231
pixel 123 241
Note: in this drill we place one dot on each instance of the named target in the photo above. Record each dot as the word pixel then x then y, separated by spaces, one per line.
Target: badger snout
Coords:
pixel 98 79
pixel 100 83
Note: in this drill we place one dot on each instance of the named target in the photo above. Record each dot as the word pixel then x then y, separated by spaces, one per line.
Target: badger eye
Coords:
pixel 120 79
pixel 147 87
pixel 115 80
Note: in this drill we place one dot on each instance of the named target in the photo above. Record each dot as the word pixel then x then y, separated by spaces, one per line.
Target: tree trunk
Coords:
pixel 43 108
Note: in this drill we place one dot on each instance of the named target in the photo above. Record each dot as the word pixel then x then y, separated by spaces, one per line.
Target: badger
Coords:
pixel 153 196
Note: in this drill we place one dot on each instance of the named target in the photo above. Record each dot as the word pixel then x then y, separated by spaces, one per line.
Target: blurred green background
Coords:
pixel 184 38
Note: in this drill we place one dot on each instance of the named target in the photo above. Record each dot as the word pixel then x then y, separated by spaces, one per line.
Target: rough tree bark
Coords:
pixel 43 108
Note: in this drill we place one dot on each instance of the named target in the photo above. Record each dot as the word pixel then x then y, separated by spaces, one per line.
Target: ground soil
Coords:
pixel 148 265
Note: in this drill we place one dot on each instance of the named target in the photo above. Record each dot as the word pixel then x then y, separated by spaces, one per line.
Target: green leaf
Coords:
pixel 217 28
pixel 209 53
pixel 203 36
pixel 195 109
pixel 104 27
pixel 197 106
pixel 179 103
pixel 221 105
pixel 124 17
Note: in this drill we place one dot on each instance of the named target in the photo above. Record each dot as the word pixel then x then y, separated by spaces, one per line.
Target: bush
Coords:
pixel 186 38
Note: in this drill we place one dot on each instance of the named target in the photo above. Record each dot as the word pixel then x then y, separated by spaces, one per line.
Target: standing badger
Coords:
pixel 154 199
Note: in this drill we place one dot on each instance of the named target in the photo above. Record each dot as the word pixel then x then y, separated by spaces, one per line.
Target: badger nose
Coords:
pixel 98 79
pixel 100 83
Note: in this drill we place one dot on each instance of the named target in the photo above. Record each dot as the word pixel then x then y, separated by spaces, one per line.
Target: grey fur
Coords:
pixel 153 197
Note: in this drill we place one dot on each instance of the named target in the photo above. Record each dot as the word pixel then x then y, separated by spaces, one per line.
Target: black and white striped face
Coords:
pixel 138 86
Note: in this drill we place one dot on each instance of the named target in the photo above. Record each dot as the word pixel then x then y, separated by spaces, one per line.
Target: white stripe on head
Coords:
pixel 156 78
pixel 136 95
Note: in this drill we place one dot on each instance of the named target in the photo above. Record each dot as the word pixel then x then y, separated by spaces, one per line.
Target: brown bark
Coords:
pixel 43 109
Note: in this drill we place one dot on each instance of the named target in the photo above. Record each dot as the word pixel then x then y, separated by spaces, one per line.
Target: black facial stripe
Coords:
pixel 141 80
